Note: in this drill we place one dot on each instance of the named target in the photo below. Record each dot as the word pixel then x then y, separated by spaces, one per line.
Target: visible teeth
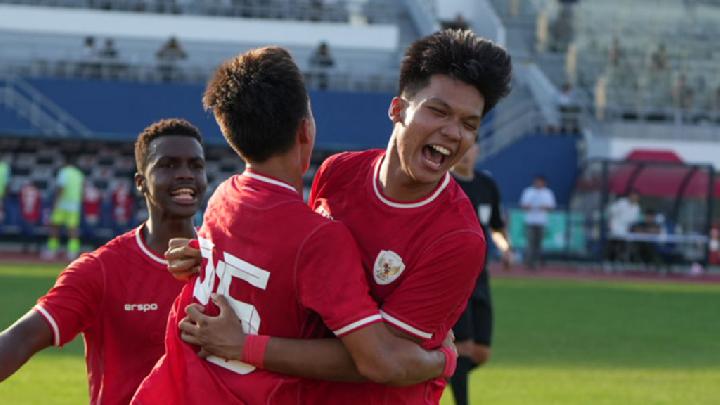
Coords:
pixel 441 149
pixel 183 191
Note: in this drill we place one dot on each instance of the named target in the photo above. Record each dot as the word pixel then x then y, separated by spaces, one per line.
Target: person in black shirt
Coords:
pixel 473 331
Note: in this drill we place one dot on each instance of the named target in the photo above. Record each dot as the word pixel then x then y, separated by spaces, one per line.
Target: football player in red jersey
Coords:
pixel 420 241
pixel 119 296
pixel 274 266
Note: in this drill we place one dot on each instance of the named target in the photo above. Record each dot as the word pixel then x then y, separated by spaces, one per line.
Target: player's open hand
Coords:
pixel 220 335
pixel 183 258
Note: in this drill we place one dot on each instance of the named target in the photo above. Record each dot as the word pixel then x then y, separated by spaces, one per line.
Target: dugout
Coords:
pixel 681 194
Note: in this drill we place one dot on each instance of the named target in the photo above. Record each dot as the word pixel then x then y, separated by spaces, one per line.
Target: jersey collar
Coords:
pixel 396 204
pixel 269 180
pixel 145 249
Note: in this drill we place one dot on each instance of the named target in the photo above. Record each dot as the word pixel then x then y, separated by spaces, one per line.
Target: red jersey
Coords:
pixel 30 203
pixel 286 271
pixel 421 259
pixel 119 297
pixel 92 199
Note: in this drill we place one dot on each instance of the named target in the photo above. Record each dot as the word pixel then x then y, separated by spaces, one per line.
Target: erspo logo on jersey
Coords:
pixel 388 267
pixel 141 307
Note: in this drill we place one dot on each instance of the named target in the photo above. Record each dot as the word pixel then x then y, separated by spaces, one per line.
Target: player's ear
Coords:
pixel 305 133
pixel 140 183
pixel 396 111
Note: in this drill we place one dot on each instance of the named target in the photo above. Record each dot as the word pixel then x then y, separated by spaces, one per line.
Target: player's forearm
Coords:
pixel 501 240
pixel 20 341
pixel 405 363
pixel 322 359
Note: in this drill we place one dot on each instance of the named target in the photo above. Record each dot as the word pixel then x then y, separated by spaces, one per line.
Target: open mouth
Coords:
pixel 184 195
pixel 435 155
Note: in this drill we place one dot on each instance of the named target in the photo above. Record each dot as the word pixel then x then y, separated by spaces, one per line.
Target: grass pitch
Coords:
pixel 556 342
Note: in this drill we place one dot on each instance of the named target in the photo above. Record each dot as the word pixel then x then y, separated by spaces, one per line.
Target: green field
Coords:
pixel 556 342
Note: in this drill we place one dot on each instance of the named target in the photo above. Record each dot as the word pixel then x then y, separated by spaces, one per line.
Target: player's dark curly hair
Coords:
pixel 258 99
pixel 461 55
pixel 165 127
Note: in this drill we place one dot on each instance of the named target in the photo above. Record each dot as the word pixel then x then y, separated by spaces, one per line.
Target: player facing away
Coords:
pixel 273 266
pixel 66 211
pixel 421 245
pixel 119 296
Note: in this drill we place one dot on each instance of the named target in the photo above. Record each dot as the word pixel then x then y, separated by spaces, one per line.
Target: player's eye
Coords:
pixel 437 111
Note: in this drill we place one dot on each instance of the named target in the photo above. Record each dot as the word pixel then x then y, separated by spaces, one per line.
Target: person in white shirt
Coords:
pixel 537 200
pixel 622 214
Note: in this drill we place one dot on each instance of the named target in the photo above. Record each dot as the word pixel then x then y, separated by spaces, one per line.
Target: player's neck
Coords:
pixel 397 185
pixel 157 231
pixel 282 168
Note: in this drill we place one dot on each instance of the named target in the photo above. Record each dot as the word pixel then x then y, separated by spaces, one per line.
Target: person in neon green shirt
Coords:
pixel 66 211
pixel 4 178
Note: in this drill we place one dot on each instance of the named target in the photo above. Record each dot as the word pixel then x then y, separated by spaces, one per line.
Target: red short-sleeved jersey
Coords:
pixel 286 271
pixel 421 259
pixel 119 297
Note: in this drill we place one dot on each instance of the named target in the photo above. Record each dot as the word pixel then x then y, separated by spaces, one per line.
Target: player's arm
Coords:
pixel 373 352
pixel 27 336
pixel 59 316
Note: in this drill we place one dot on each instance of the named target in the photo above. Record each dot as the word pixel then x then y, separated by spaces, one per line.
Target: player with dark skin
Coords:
pixel 437 116
pixel 173 182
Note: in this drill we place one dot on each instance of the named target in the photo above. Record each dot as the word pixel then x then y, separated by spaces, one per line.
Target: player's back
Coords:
pixel 286 271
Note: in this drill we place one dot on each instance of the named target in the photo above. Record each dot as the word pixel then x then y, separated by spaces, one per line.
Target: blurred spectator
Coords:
pixel 321 62
pixel 168 57
pixel 716 104
pixel 122 204
pixel 92 201
pixel 615 53
pixel 4 180
pixel 88 65
pixel 537 200
pixel 30 204
pixel 647 251
pixel 108 52
pixel 66 211
pixel 108 57
pixel 622 214
pixel 682 93
pixel 569 110
pixel 600 97
pixel 658 59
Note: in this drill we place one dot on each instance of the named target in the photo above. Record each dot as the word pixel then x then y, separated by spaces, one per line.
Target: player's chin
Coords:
pixel 183 210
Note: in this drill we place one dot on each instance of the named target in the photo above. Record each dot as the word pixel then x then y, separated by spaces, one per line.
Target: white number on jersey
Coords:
pixel 229 268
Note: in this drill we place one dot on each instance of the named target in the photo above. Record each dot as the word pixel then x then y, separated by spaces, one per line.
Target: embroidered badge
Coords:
pixel 388 267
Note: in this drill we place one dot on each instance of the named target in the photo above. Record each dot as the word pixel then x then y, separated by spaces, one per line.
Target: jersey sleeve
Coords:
pixel 331 281
pixel 435 292
pixel 72 303
pixel 320 179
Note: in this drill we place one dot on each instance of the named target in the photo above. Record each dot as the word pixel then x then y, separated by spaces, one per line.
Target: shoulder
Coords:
pixel 345 159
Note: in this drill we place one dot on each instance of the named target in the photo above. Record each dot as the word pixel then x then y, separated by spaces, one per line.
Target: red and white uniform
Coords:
pixel 287 271
pixel 422 260
pixel 30 203
pixel 119 297
pixel 92 199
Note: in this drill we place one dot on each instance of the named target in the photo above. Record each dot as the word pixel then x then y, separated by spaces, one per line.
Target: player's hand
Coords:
pixel 449 341
pixel 220 335
pixel 183 259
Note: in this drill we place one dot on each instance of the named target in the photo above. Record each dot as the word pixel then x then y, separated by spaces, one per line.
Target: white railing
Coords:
pixel 42 113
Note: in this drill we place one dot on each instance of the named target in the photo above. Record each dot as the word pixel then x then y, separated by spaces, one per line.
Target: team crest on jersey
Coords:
pixel 388 267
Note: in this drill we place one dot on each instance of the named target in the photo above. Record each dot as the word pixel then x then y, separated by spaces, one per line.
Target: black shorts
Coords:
pixel 476 322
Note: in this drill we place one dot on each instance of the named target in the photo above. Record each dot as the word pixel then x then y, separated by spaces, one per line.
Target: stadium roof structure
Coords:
pixel 662 173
